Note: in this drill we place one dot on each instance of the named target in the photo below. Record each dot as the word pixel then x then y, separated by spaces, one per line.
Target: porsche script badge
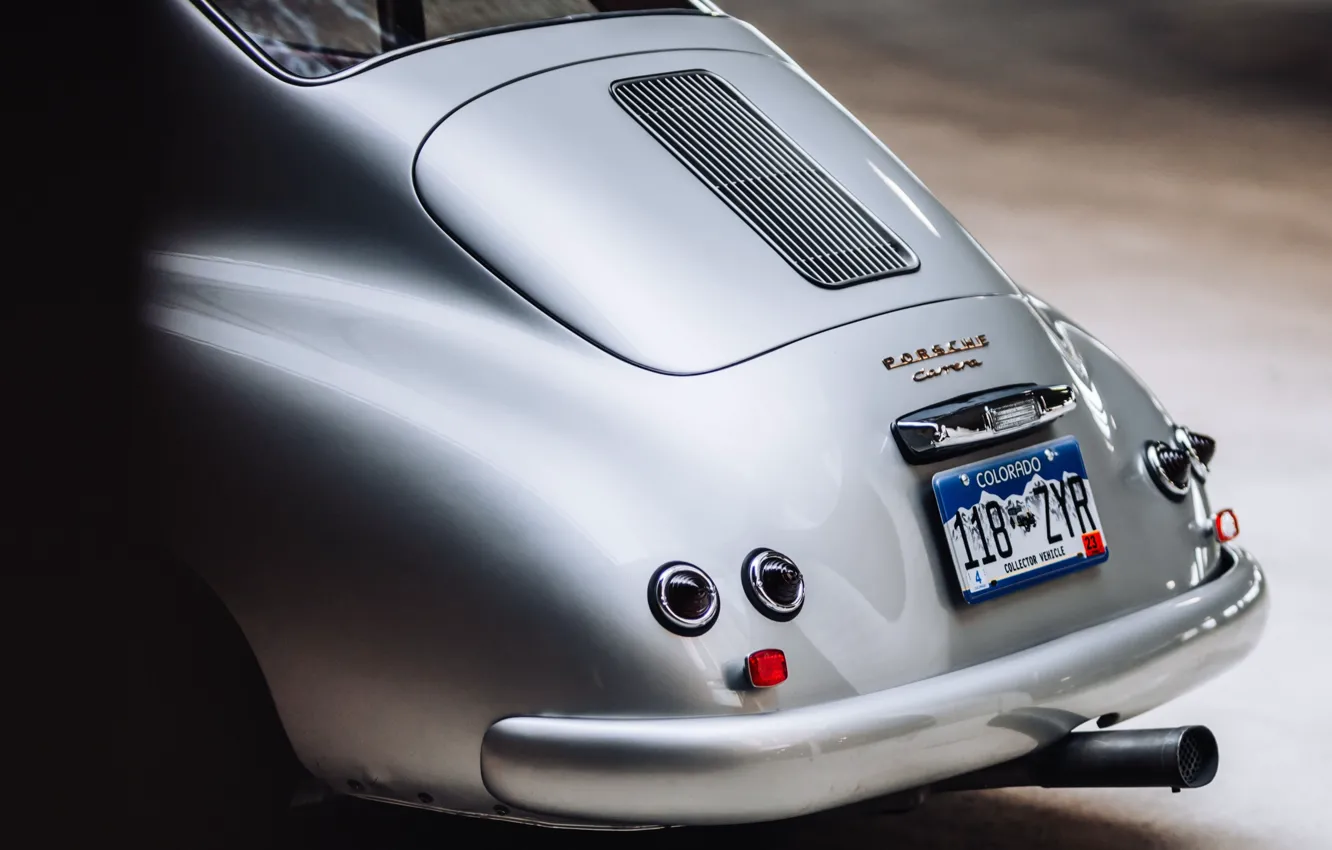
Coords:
pixel 920 355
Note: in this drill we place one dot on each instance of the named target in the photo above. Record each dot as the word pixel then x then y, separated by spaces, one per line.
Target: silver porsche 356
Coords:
pixel 586 421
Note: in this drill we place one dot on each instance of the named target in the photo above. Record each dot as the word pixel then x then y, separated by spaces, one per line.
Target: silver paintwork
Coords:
pixel 976 423
pixel 439 389
pixel 679 284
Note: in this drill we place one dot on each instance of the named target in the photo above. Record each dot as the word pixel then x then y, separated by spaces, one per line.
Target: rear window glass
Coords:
pixel 314 38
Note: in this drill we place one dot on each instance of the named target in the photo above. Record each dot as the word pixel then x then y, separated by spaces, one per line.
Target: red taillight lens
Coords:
pixel 767 667
pixel 1226 524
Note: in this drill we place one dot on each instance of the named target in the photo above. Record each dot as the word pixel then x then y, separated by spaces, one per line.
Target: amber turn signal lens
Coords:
pixel 767 667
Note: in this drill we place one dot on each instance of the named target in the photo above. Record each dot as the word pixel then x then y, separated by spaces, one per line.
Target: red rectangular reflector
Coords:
pixel 767 667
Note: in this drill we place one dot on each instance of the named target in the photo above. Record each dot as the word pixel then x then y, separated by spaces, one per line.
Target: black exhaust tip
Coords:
pixel 1197 757
pixel 1183 757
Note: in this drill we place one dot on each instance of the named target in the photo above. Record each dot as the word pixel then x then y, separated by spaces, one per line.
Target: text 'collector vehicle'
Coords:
pixel 586 421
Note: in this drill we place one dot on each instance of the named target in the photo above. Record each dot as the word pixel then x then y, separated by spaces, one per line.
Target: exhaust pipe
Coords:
pixel 1184 757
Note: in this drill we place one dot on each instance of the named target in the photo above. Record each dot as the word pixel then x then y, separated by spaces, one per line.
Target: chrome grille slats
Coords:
pixel 754 147
pixel 793 172
pixel 774 210
pixel 707 155
pixel 796 170
pixel 789 199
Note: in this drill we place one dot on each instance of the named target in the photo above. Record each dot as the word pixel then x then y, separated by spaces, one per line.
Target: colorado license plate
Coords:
pixel 1021 518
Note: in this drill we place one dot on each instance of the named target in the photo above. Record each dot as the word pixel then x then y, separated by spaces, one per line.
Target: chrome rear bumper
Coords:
pixel 756 767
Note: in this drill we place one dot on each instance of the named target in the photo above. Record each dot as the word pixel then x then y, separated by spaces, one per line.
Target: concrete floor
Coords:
pixel 1183 212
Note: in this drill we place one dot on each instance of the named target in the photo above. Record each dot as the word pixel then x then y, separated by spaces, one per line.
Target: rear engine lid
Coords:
pixel 691 221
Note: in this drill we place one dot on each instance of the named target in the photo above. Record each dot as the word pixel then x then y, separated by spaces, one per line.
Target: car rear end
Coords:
pixel 769 337
pixel 715 218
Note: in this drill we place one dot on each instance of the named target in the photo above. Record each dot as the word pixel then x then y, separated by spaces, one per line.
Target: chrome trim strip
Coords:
pixel 242 39
pixel 967 424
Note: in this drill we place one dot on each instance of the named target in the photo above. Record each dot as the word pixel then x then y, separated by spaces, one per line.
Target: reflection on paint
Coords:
pixel 1088 395
pixel 902 196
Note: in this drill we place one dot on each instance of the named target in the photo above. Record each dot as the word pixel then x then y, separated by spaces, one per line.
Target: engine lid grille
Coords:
pixel 809 218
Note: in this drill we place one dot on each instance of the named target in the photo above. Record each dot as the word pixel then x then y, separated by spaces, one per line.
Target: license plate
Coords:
pixel 1022 518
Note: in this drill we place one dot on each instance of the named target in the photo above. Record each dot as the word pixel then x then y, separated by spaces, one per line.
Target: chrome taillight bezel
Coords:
pixel 659 600
pixel 752 578
pixel 1159 475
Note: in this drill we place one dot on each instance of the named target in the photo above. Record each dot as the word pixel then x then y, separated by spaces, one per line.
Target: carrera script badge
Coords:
pixel 956 346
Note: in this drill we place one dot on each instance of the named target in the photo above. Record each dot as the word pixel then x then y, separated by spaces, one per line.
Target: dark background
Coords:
pixel 79 144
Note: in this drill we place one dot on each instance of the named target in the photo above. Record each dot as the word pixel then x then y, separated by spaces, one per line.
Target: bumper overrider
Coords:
pixel 782 764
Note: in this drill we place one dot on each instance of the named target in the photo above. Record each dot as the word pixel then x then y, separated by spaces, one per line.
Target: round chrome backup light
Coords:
pixel 774 584
pixel 683 599
pixel 1170 468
